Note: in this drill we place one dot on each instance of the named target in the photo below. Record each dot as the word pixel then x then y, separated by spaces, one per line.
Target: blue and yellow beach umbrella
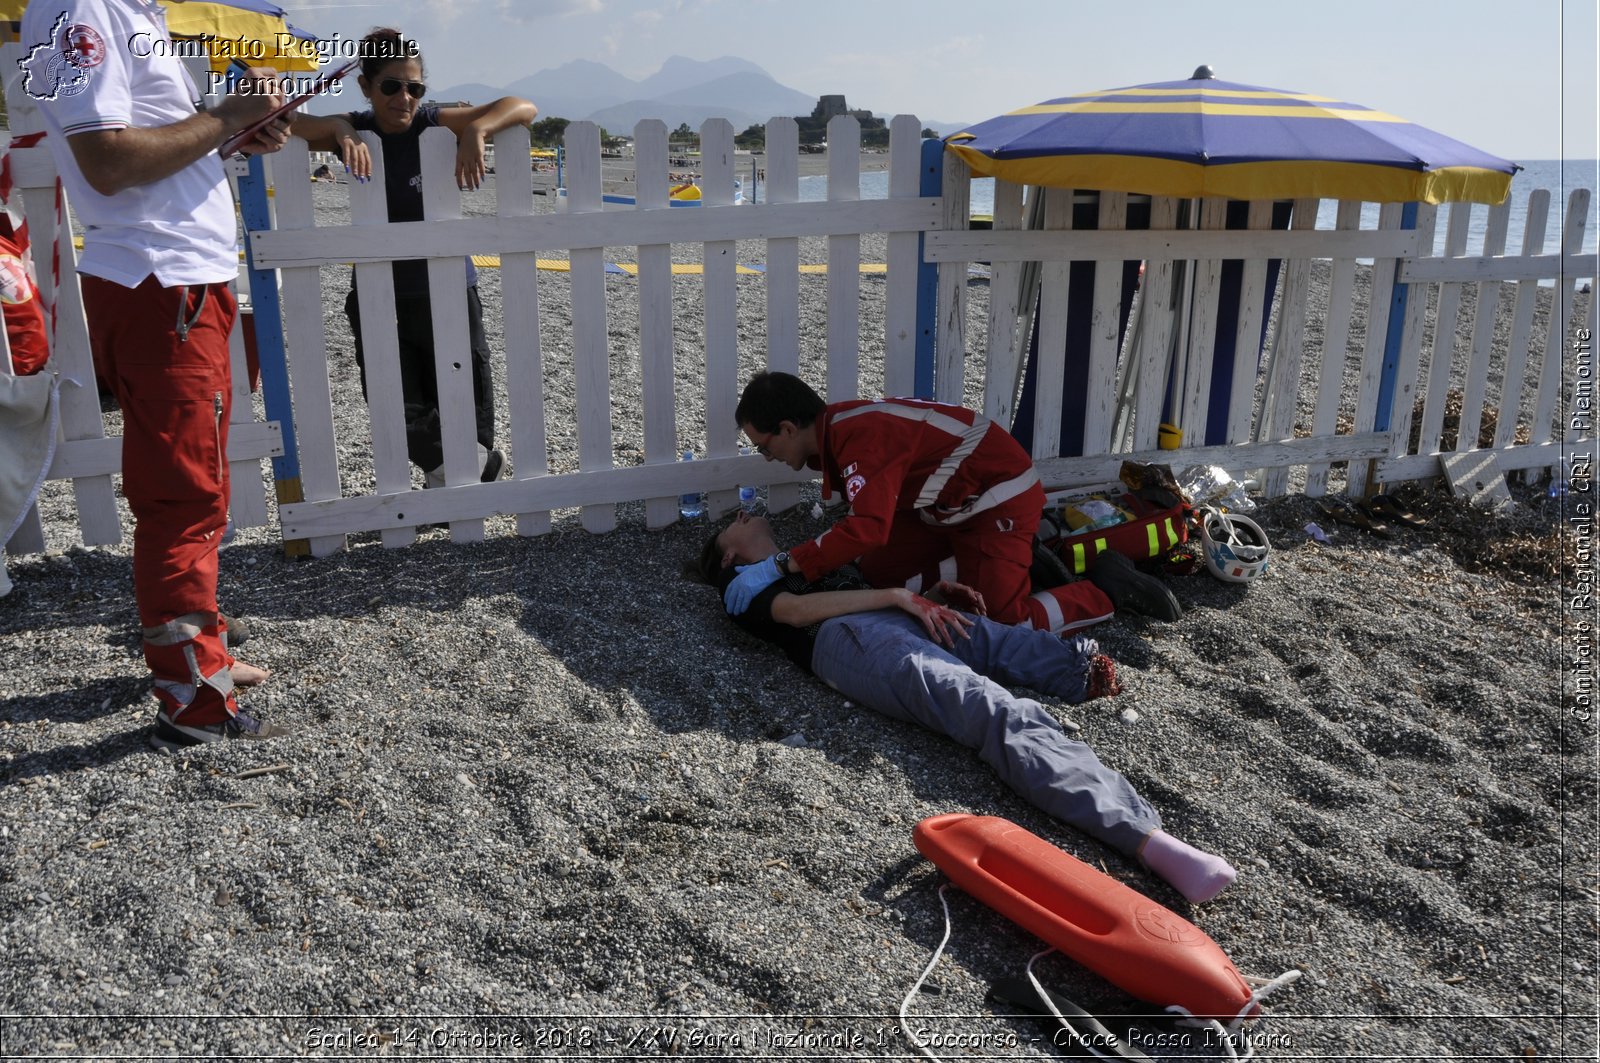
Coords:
pixel 1204 137
pixel 256 31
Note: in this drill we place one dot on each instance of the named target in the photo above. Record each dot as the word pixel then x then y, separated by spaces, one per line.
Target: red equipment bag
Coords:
pixel 1149 531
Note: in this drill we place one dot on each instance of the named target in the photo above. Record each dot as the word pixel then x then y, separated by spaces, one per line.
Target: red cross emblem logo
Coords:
pixel 85 47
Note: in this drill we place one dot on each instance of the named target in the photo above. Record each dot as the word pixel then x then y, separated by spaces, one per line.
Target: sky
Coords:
pixel 1516 80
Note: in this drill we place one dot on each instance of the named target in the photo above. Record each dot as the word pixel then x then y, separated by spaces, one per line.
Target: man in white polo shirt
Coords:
pixel 140 166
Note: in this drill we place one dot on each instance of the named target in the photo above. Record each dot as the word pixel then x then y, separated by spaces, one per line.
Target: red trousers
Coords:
pixel 992 550
pixel 166 352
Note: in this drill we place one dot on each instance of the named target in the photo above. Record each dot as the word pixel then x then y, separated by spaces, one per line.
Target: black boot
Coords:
pixel 1131 589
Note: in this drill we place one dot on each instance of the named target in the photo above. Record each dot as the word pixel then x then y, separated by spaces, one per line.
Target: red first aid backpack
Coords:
pixel 1149 532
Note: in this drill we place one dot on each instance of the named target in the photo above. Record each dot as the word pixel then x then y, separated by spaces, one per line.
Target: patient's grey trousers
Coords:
pixel 886 661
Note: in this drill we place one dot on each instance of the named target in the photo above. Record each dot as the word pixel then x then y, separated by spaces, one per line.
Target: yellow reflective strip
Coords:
pixel 1078 563
pixel 1154 535
pixel 1342 114
pixel 1254 180
pixel 1172 534
pixel 1099 547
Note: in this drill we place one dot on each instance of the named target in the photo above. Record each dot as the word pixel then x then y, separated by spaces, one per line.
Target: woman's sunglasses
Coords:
pixel 390 86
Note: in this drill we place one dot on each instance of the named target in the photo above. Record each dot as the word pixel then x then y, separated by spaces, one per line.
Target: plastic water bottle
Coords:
pixel 691 504
pixel 747 493
pixel 1558 488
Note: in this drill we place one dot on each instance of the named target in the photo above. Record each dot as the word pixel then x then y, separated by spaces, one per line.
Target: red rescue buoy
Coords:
pixel 1132 942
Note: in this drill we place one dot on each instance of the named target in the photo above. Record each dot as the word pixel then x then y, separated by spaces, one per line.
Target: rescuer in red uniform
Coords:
pixel 925 482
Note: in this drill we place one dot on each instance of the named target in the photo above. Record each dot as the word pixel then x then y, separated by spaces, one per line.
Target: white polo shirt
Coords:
pixel 107 64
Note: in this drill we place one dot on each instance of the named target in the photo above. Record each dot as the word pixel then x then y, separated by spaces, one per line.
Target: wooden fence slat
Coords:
pixel 98 517
pixel 603 487
pixel 1050 370
pixel 335 244
pixel 1383 280
pixel 452 346
pixel 247 502
pixel 1005 309
pixel 1105 329
pixel 380 345
pixel 1560 314
pixel 1403 405
pixel 1335 344
pixel 305 342
pixel 844 263
pixel 589 349
pixel 1247 334
pixel 1282 453
pixel 721 308
pixel 900 294
pixel 949 381
pixel 1436 394
pixel 1200 345
pixel 1476 387
pixel 1511 381
pixel 782 186
pixel 249 441
pixel 1287 356
pixel 1156 319
pixel 1515 268
pixel 651 162
pixel 519 298
pixel 1093 246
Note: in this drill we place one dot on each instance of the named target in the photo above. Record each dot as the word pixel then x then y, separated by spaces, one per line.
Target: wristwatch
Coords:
pixel 782 558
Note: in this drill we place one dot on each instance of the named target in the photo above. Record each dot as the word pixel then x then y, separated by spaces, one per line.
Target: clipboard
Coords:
pixel 244 136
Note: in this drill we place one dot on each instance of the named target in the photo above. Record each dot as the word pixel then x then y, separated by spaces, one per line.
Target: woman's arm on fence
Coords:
pixel 333 132
pixel 473 126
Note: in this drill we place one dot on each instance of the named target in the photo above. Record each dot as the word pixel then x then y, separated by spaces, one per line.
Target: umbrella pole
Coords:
pixel 1122 422
pixel 1027 286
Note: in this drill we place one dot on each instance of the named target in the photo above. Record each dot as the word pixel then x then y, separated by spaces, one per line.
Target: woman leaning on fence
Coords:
pixel 392 81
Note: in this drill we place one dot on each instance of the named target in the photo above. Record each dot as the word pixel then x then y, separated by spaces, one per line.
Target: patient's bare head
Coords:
pixel 746 540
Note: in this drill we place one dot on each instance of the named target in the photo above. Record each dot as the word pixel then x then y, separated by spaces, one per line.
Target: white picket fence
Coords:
pixel 299 249
pixel 1265 429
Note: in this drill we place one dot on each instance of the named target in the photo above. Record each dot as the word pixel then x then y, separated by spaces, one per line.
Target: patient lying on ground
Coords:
pixel 930 663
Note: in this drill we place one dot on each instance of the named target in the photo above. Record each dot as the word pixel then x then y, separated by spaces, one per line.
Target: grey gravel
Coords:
pixel 538 789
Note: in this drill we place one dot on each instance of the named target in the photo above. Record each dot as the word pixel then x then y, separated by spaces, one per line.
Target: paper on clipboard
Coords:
pixel 244 136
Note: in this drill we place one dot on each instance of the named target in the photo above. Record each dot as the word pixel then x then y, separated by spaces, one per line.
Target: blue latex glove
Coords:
pixel 751 581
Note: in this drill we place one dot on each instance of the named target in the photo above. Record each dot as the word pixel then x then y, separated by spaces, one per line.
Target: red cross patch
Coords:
pixel 84 46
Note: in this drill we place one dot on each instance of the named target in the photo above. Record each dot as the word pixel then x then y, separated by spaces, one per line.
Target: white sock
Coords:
pixel 1197 875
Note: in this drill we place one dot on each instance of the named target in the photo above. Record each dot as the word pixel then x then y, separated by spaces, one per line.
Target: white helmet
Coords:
pixel 1235 546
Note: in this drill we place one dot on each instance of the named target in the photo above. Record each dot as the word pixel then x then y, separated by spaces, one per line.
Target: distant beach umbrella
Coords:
pixel 1204 137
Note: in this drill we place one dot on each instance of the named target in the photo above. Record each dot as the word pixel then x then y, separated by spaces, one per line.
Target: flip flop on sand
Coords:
pixel 1389 506
pixel 1341 511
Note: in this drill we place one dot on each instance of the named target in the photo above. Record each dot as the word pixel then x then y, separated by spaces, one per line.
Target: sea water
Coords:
pixel 1559 177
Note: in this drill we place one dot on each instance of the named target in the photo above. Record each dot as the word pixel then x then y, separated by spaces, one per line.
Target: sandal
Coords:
pixel 1341 511
pixel 1375 523
pixel 1390 507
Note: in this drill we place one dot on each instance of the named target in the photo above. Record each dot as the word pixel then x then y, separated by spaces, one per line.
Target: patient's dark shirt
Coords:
pixel 797 642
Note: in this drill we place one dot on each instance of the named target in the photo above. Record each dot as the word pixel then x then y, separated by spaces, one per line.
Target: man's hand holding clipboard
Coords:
pixel 266 113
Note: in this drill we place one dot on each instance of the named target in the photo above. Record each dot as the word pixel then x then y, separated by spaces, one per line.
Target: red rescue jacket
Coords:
pixel 888 455
pixel 19 298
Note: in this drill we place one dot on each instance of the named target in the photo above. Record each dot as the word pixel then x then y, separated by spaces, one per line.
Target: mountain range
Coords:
pixel 683 91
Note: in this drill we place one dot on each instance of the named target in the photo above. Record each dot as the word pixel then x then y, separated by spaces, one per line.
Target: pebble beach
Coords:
pixel 541 799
